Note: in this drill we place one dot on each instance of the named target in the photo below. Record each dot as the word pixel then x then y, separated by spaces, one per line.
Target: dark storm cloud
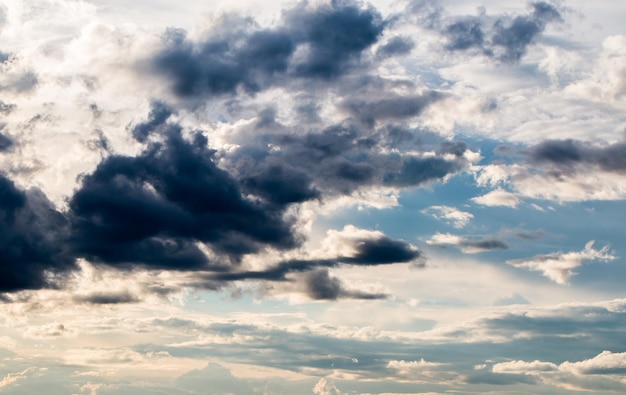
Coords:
pixel 321 43
pixel 335 36
pixel 567 153
pixel 223 64
pixel 151 209
pixel 159 114
pixel 279 182
pixel 31 240
pixel 504 38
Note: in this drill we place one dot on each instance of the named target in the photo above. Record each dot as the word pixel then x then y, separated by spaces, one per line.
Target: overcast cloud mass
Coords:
pixel 312 197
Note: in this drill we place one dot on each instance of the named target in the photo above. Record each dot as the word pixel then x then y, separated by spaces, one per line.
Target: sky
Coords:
pixel 320 198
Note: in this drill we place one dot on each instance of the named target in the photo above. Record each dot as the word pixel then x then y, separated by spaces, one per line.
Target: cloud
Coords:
pixel 25 374
pixel 521 367
pixel 326 387
pixel 52 330
pixel 605 363
pixel 214 379
pixel 511 300
pixel 451 215
pixel 321 286
pixel 321 42
pixel 350 246
pixel 419 371
pixel 286 167
pixel 394 47
pixel 31 240
pixel 6 143
pixel 107 298
pixel 468 246
pixel 390 108
pixel 559 266
pixel 566 154
pixel 545 181
pixel 503 38
pixel 498 197
pixel 602 372
pixel 152 209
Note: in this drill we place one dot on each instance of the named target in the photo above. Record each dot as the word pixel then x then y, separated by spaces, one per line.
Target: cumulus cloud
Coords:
pixel 498 197
pixel 559 266
pixel 326 387
pixel 451 215
pixel 522 367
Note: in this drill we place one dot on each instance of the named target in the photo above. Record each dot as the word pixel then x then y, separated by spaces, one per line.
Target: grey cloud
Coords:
pixel 382 250
pixel 524 234
pixel 399 107
pixel 31 239
pixel 20 82
pixel 465 34
pixel 336 37
pixel 321 286
pixel 499 379
pixel 339 159
pixel 6 108
pixel 159 113
pixel 503 37
pixel 566 153
pixel 151 210
pixel 314 272
pixel 486 245
pixel 470 246
pixel 321 43
pixel 219 66
pixel 107 298
pixel 394 47
pixel 6 143
pixel 280 182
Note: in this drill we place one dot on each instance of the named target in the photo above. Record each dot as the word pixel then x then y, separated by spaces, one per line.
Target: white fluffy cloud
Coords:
pixel 451 215
pixel 498 197
pixel 559 266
